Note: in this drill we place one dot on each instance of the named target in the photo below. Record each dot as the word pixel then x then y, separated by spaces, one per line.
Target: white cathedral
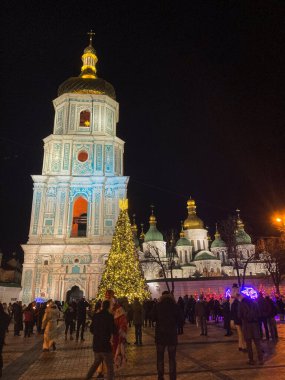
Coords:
pixel 194 254
pixel 76 198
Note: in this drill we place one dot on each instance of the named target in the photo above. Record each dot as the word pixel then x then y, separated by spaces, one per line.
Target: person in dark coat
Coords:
pixel 181 304
pixel 191 309
pixel 18 317
pixel 281 308
pixel 201 314
pixel 235 316
pixel 102 328
pixel 272 312
pixel 69 319
pixel 40 315
pixel 264 309
pixel 138 319
pixel 81 317
pixel 4 323
pixel 250 314
pixel 227 316
pixel 167 316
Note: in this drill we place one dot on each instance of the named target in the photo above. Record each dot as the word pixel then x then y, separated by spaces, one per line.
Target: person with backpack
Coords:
pixel 249 315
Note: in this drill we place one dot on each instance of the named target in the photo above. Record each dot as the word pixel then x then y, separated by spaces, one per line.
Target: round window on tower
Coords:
pixel 82 156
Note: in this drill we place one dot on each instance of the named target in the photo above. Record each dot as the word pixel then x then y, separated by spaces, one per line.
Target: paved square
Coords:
pixel 212 357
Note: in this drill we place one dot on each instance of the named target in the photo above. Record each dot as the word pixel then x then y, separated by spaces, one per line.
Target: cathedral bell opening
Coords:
pixel 79 220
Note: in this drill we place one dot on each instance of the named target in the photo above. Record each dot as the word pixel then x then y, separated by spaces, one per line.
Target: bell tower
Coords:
pixel 75 199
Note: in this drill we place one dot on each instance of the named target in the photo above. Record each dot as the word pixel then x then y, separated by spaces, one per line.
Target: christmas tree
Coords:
pixel 123 272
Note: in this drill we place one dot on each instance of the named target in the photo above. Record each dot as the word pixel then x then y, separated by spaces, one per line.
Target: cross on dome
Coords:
pixel 91 34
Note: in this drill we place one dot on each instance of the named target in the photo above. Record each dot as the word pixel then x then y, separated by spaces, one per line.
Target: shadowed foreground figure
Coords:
pixel 103 327
pixel 249 314
pixel 4 322
pixel 167 316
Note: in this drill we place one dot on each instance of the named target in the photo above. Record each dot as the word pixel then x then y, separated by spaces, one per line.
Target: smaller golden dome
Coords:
pixel 152 219
pixel 192 222
pixel 134 227
pixel 191 202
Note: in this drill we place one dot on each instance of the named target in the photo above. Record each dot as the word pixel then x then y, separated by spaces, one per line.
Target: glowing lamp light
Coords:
pixel 249 292
pixel 278 220
pixel 228 292
pixel 40 300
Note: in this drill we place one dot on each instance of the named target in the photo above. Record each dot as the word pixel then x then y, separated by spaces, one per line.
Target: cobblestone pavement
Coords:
pixel 212 357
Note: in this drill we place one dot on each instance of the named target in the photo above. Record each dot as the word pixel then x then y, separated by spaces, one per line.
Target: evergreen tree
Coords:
pixel 123 273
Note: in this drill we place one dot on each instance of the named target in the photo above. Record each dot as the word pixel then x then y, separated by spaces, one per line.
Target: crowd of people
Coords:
pixel 109 320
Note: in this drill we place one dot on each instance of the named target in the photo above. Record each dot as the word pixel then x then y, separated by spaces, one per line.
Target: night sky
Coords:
pixel 201 91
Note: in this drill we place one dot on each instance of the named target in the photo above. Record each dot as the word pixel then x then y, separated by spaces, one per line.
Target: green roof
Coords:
pixel 153 234
pixel 242 237
pixel 218 243
pixel 183 242
pixel 204 255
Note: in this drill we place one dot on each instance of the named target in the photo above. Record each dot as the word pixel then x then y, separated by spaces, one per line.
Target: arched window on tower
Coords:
pixel 84 119
pixel 79 218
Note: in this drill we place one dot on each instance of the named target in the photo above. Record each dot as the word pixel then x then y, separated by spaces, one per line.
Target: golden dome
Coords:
pixel 87 82
pixel 192 222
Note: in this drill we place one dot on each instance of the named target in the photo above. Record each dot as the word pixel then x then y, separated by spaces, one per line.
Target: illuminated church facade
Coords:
pixel 76 203
pixel 194 255
pixel 75 199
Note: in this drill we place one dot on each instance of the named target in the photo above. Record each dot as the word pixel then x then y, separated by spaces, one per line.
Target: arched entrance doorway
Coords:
pixel 79 220
pixel 74 294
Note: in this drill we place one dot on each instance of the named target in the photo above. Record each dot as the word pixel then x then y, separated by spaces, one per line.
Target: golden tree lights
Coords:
pixel 123 272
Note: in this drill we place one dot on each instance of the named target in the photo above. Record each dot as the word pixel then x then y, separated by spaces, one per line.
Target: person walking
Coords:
pixel 103 327
pixel 250 314
pixel 49 324
pixel 4 323
pixel 18 317
pixel 235 316
pixel 69 319
pixel 201 314
pixel 81 317
pixel 271 322
pixel 138 320
pixel 264 309
pixel 28 321
pixel 227 316
pixel 181 304
pixel 167 316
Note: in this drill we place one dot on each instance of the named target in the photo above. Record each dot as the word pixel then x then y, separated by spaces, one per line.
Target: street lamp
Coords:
pixel 279 222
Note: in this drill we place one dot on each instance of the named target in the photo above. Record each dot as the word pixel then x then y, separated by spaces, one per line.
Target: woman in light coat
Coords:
pixel 49 324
